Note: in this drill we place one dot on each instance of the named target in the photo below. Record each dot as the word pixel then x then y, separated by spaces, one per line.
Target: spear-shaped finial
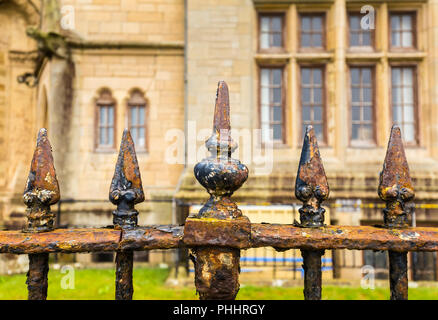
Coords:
pixel 42 189
pixel 126 188
pixel 395 186
pixel 220 143
pixel 311 185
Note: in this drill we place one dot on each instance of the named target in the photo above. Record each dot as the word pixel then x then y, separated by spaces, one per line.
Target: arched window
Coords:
pixel 105 127
pixel 137 119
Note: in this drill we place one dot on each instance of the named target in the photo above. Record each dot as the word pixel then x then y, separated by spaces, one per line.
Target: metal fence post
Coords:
pixel 395 188
pixel 126 190
pixel 217 268
pixel 41 191
pixel 312 189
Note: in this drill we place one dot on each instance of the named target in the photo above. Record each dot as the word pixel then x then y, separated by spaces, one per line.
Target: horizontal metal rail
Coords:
pixel 216 234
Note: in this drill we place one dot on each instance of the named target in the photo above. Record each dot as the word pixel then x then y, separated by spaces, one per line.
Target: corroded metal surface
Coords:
pixel 312 189
pixel 124 268
pixel 210 232
pixel 42 188
pixel 40 192
pixel 37 280
pixel 126 190
pixel 312 274
pixel 152 237
pixel 60 240
pixel 398 275
pixel 234 233
pixel 395 186
pixel 396 189
pixel 217 273
pixel 344 237
pixel 311 185
pixel 217 269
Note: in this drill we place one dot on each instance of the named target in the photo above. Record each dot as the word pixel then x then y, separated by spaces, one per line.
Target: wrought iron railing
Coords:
pixel 217 233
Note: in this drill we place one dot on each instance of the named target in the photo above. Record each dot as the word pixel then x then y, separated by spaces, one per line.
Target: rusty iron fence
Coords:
pixel 217 233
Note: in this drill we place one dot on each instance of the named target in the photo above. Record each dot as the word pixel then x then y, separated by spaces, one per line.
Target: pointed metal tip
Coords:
pixel 395 174
pixel 311 174
pixel 42 175
pixel 222 108
pixel 127 172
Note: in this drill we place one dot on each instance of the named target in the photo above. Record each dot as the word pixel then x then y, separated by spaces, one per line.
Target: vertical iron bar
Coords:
pixel 124 268
pixel 126 190
pixel 312 274
pixel 396 189
pixel 41 191
pixel 398 276
pixel 312 189
pixel 217 269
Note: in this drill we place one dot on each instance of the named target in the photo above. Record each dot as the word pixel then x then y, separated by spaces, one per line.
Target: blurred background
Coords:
pixel 86 69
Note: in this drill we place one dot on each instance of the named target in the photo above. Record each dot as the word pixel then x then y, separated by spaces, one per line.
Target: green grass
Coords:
pixel 149 284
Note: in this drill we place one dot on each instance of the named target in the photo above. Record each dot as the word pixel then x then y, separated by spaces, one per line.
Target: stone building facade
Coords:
pixel 153 66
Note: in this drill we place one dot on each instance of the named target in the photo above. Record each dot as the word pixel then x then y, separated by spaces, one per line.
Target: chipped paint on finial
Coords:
pixel 42 189
pixel 126 187
pixel 311 185
pixel 220 143
pixel 395 185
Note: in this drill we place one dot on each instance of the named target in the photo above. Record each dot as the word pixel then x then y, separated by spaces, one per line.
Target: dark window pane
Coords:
pixel 317 95
pixel 317 113
pixel 277 113
pixel 277 95
pixel 317 40
pixel 354 39
pixel 305 40
pixel 277 131
pixel 317 23
pixel 305 23
pixel 354 22
pixel 276 40
pixel 355 113
pixel 367 113
pixel 306 113
pixel 367 95
pixel 355 131
pixel 317 76
pixel 276 24
pixel 395 22
pixel 366 38
pixel 305 76
pixel 355 94
pixel 277 76
pixel 306 95
pixel 355 76
pixel 318 131
pixel 366 75
pixel 110 136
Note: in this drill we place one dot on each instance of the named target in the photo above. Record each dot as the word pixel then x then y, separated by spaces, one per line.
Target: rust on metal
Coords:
pixel 221 233
pixel 126 190
pixel 395 186
pixel 60 240
pixel 37 281
pixel 217 269
pixel 396 189
pixel 42 189
pixel 214 232
pixel 40 192
pixel 152 237
pixel 398 275
pixel 124 268
pixel 311 185
pixel 312 189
